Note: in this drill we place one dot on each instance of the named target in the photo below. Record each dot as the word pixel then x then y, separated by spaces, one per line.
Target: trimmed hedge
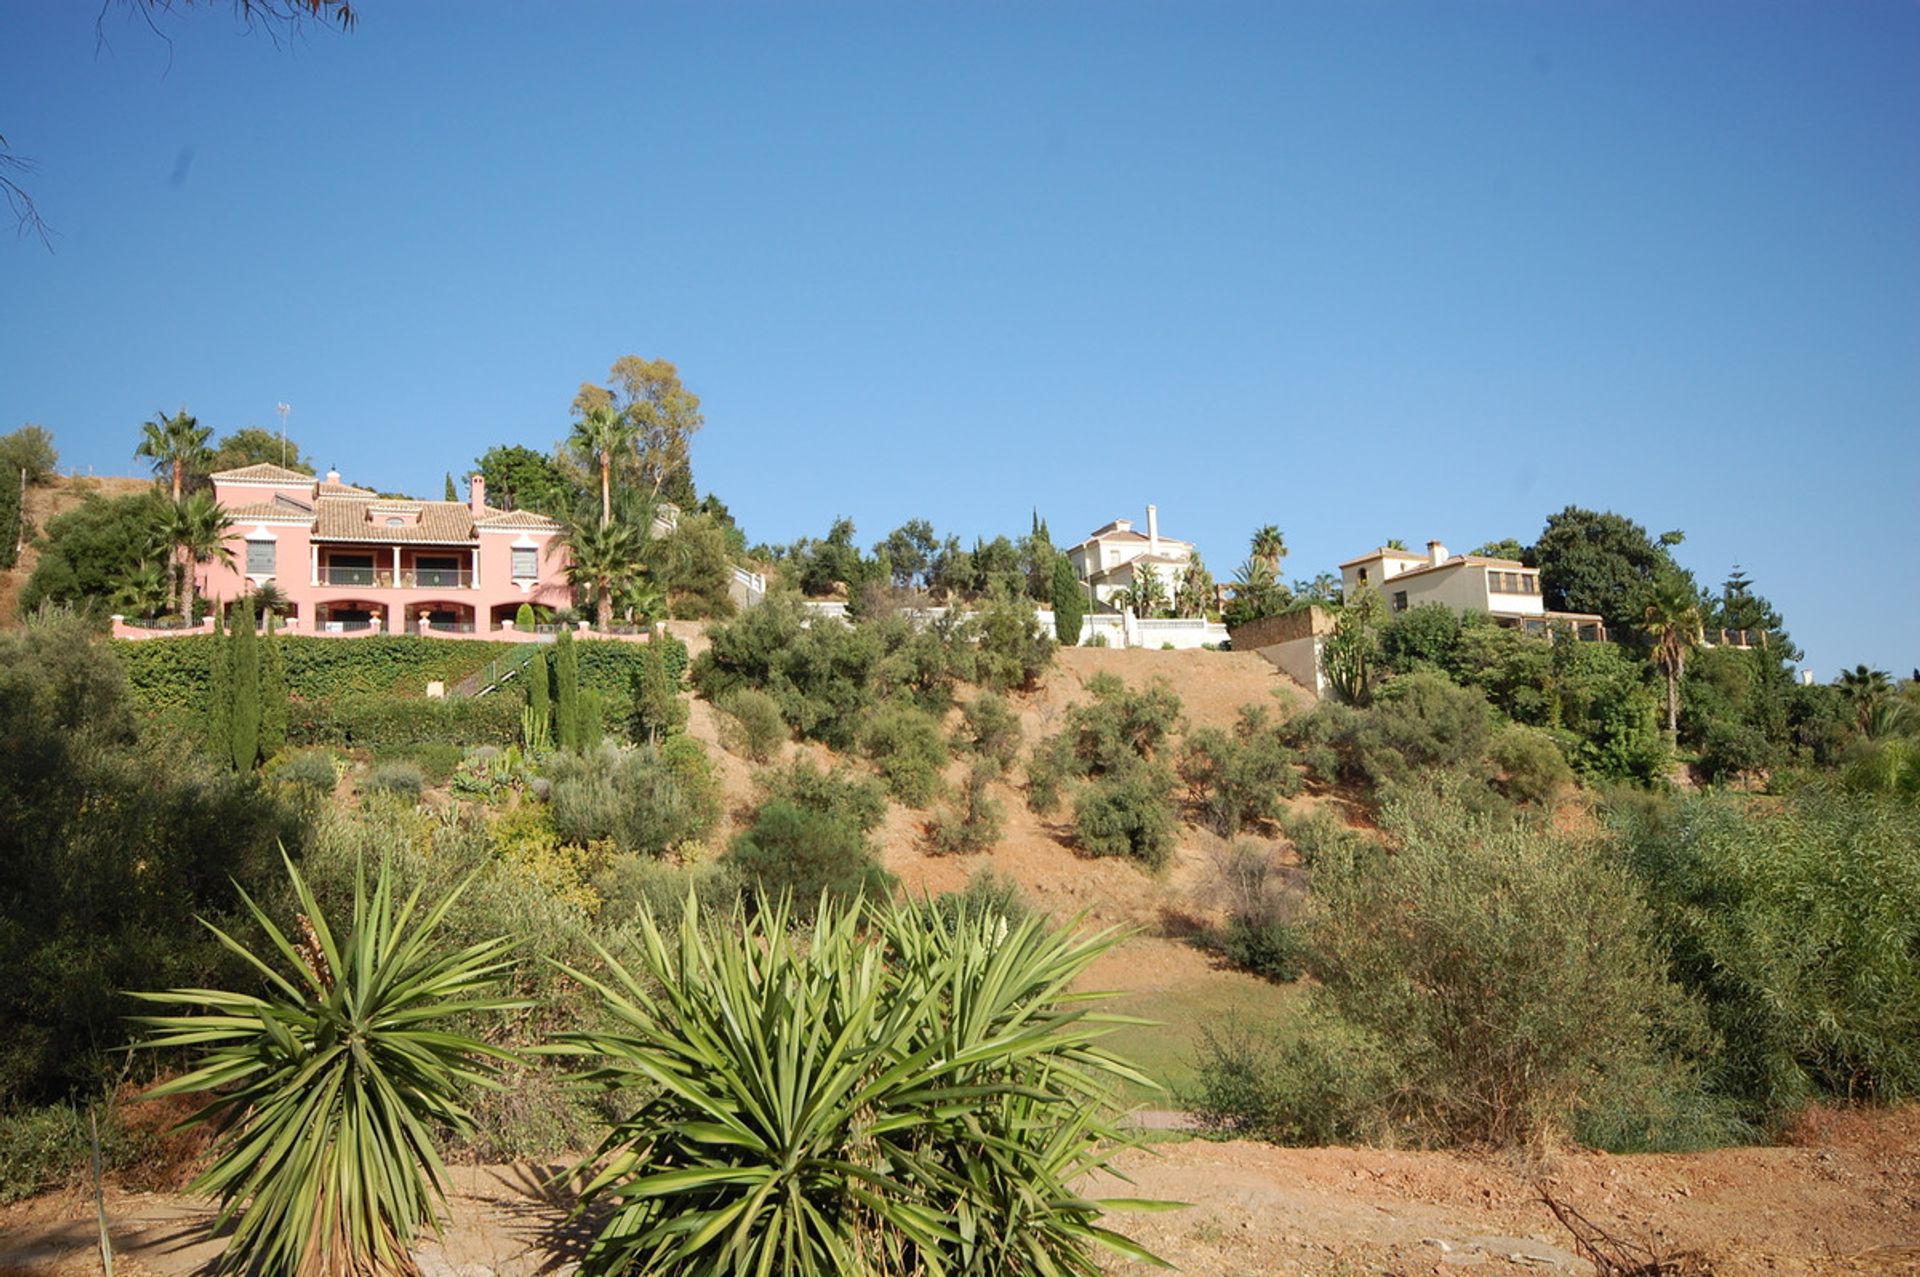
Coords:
pixel 171 673
pixel 375 722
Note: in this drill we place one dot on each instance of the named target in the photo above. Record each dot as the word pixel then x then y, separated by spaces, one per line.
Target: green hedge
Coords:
pixel 165 674
pixel 380 722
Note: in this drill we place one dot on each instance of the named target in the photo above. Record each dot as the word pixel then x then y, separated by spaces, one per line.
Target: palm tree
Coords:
pixel 1865 688
pixel 601 559
pixel 1271 545
pixel 144 591
pixel 1672 621
pixel 177 444
pixel 197 529
pixel 600 435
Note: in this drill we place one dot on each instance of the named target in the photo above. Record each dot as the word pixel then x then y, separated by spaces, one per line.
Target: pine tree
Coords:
pixel 539 702
pixel 453 493
pixel 245 725
pixel 274 710
pixel 1069 603
pixel 220 693
pixel 566 686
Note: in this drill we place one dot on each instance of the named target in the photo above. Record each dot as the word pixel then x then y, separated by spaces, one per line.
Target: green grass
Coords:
pixel 1168 1051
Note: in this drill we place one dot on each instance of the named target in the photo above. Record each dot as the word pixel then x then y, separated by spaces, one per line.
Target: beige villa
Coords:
pixel 1111 558
pixel 1505 589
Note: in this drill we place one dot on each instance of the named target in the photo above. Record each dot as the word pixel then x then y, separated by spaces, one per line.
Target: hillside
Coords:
pixel 43 503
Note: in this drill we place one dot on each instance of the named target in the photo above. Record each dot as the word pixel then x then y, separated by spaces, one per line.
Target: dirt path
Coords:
pixel 1844 1200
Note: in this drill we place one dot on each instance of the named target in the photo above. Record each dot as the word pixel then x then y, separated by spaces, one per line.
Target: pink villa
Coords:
pixel 350 561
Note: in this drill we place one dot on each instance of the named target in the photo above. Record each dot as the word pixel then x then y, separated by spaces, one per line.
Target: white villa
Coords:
pixel 1505 589
pixel 1111 557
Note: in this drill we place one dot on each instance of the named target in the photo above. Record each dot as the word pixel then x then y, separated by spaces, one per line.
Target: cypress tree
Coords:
pixel 538 699
pixel 453 494
pixel 1069 603
pixel 566 686
pixel 657 708
pixel 273 695
pixel 246 690
pixel 219 693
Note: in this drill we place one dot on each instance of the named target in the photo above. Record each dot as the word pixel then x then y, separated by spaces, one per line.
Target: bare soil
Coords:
pixel 1844 1198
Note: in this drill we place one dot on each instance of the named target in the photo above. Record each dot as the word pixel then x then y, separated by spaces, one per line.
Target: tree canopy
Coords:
pixel 1603 563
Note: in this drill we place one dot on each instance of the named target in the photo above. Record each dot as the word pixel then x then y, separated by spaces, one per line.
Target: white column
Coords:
pixel 396 567
pixel 315 547
pixel 475 579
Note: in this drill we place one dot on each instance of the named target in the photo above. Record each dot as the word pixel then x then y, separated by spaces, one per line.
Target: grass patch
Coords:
pixel 1169 1051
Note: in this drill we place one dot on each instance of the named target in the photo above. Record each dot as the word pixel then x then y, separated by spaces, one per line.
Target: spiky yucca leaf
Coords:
pixel 885 1090
pixel 327 1090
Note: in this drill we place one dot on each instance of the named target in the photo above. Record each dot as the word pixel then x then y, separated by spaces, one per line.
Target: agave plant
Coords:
pixel 891 1091
pixel 327 1089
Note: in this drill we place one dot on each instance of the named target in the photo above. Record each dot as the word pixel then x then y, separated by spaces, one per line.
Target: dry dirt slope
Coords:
pixel 1844 1200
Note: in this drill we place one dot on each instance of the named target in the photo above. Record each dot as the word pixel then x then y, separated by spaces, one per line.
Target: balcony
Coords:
pixel 383 578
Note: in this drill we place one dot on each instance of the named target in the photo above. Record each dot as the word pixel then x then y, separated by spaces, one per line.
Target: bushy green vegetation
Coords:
pixel 643 802
pixel 751 723
pixel 1798 925
pixel 812 1124
pixel 905 744
pixel 1240 777
pixel 1489 980
pixel 803 854
pixel 111 842
pixel 1111 754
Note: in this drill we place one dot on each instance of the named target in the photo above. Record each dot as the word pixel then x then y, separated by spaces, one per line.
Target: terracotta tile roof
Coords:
pixel 264 473
pixel 349 519
pixel 344 490
pixel 268 510
pixel 1382 552
pixel 1457 561
pixel 518 519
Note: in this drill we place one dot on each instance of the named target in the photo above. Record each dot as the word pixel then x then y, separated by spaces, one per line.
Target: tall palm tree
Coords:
pixel 1271 545
pixel 1865 688
pixel 197 528
pixel 177 444
pixel 601 559
pixel 600 435
pixel 1672 621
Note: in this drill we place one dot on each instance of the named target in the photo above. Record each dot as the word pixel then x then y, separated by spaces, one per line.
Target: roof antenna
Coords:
pixel 283 410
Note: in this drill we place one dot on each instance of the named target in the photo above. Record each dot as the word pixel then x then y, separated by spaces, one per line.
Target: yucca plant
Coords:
pixel 327 1089
pixel 885 1090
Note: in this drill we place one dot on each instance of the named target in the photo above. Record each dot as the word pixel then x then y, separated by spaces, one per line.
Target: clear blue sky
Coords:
pixel 1363 271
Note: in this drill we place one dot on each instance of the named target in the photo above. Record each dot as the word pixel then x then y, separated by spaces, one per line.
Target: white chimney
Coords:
pixel 1153 529
pixel 1436 553
pixel 477 494
pixel 333 476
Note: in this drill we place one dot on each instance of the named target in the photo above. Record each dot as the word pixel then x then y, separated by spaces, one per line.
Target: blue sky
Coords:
pixel 1363 271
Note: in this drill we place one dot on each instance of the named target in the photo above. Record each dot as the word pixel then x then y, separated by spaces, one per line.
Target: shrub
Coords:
pixel 1270 948
pixel 41 1149
pixel 1532 768
pixel 311 769
pixel 987 894
pixel 1800 927
pixel 634 798
pixel 753 724
pixel 1127 813
pixel 1012 650
pixel 906 745
pixel 523 619
pixel 1424 637
pixel 864 1047
pixel 657 708
pixel 1732 750
pixel 973 824
pixel 842 794
pixel 1418 723
pixel 1238 778
pixel 632 886
pixel 436 761
pixel 1322 1081
pixel 792 853
pixel 990 729
pixel 353 1170
pixel 1499 1020
pixel 399 780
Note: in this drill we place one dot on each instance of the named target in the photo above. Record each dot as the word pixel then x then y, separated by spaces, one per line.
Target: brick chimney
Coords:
pixel 1436 553
pixel 477 494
